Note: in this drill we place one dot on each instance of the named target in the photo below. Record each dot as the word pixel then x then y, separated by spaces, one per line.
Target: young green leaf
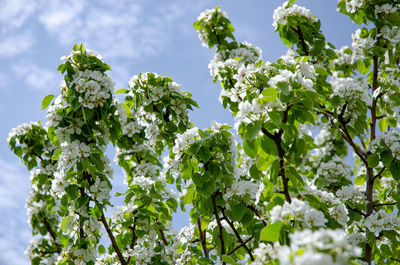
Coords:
pixel 46 101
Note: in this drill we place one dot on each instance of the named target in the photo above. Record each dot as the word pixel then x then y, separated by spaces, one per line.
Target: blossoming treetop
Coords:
pixel 279 196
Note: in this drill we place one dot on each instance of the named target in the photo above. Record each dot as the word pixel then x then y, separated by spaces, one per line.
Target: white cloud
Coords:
pixel 16 44
pixel 13 14
pixel 36 77
pixel 125 28
pixel 121 29
pixel 14 230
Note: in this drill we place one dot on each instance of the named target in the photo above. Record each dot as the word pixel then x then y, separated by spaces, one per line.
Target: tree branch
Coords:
pixel 355 210
pixel 113 242
pixel 379 173
pixel 203 239
pixel 277 138
pixel 257 213
pixel 52 234
pixel 302 41
pixel 385 204
pixel 241 245
pixel 163 238
pixel 133 228
pixel 370 171
pixel 343 130
pixel 221 234
pixel 237 234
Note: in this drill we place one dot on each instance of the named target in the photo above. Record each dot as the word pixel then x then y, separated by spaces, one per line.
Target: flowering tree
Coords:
pixel 279 196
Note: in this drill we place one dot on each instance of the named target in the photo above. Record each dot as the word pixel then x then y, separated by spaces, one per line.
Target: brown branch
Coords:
pixel 385 204
pixel 362 142
pixel 361 153
pixel 355 210
pixel 241 245
pixel 286 113
pixel 277 138
pixel 370 171
pixel 113 242
pixel 203 239
pixel 81 232
pixel 302 41
pixel 221 234
pixel 345 133
pixel 257 213
pixel 163 238
pixel 267 133
pixel 52 234
pixel 374 101
pixel 237 234
pixel 379 173
pixel 133 228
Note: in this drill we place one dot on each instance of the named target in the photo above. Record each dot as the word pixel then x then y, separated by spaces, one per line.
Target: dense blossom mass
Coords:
pixel 314 178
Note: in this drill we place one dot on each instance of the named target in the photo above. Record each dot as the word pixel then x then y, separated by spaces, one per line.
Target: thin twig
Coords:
pixel 379 173
pixel 237 234
pixel 385 204
pixel 241 245
pixel 355 210
pixel 112 238
pixel 221 234
pixel 203 239
pixel 257 213
pixel 163 238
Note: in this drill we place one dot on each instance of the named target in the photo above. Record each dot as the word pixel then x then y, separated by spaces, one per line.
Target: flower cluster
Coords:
pixel 282 13
pixel 361 44
pixel 391 140
pixel 353 5
pixel 382 220
pixel 299 211
pixel 323 246
pixel 212 23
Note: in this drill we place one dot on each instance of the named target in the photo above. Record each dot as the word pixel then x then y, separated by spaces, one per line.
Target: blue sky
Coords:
pixel 133 36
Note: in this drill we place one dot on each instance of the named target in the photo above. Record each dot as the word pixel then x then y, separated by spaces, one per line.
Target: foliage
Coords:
pixel 277 196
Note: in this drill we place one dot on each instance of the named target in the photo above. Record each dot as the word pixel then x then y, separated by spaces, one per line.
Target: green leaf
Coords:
pixel 373 160
pixel 363 66
pixel 252 130
pixel 360 179
pixel 101 249
pixel 250 148
pixel 72 191
pixel 395 169
pixel 229 259
pixel 283 87
pixel 269 94
pixel 197 25
pixel 382 125
pixel 46 101
pixel 387 158
pixel 268 145
pixel 64 222
pixel 237 211
pixel 263 163
pixel 386 250
pixel 172 203
pixel 121 90
pixel 204 154
pixel 271 232
pixel 198 179
pixel 57 153
pixel 275 117
pixel 189 195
